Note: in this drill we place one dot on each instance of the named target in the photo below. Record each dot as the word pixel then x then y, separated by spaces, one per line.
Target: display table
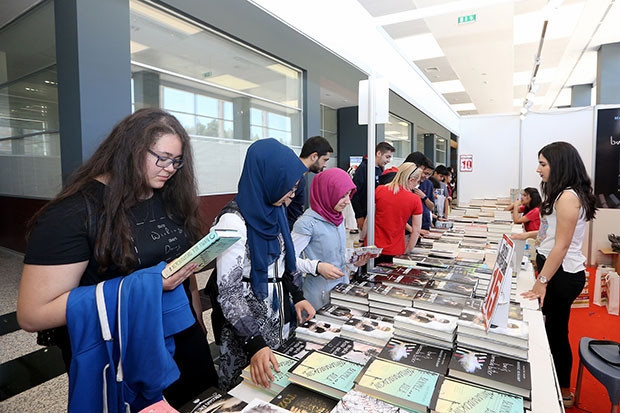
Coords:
pixel 546 396
pixel 615 261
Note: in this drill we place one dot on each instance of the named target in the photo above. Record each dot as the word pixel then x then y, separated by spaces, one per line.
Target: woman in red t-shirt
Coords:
pixel 526 211
pixel 395 205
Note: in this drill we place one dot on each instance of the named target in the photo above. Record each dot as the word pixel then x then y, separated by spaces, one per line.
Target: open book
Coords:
pixel 204 251
pixel 354 254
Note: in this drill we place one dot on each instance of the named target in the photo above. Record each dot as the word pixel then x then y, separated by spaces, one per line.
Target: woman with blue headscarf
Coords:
pixel 255 276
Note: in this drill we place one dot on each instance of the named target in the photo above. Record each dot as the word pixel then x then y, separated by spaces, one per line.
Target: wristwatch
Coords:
pixel 543 279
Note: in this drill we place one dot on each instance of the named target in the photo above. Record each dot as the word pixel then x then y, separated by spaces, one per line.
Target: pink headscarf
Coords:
pixel 327 188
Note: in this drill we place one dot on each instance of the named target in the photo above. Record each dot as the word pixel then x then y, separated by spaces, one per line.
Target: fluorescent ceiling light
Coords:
pixel 542 76
pixel 448 86
pixel 283 70
pixel 420 47
pixel 392 132
pixel 136 47
pixel 232 82
pixel 166 19
pixel 403 124
pixel 463 106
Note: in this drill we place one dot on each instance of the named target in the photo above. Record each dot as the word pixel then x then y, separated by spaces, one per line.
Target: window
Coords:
pixel 398 133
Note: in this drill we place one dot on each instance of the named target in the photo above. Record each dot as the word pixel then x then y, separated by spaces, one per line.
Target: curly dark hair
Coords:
pixel 566 171
pixel 121 159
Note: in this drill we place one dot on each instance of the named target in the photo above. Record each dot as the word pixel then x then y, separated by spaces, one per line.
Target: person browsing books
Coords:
pixel 320 236
pixel 132 205
pixel 257 276
pixel 569 202
pixel 395 205
pixel 526 210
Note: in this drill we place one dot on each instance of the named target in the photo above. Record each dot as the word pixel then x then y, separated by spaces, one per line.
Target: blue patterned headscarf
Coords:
pixel 270 171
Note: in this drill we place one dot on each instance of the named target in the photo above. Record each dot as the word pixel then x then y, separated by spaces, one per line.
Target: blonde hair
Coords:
pixel 406 171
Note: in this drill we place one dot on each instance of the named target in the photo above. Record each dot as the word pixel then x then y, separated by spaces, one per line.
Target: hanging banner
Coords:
pixel 607 168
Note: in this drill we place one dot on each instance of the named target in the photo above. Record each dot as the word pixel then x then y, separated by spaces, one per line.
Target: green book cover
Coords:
pixel 397 383
pixel 281 378
pixel 456 396
pixel 328 370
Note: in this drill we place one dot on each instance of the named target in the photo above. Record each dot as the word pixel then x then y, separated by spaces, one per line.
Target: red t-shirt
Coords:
pixel 534 220
pixel 391 215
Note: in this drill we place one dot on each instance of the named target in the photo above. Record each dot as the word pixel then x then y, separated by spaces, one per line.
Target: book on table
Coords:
pixel 213 400
pixel 440 303
pixel 391 294
pixel 261 406
pixel 456 396
pixel 354 292
pixel 412 279
pixel 204 251
pixel 516 332
pixel 352 350
pixel 280 379
pixel 418 355
pixel 407 387
pixel 318 331
pixel 357 402
pixel 474 305
pixel 451 288
pixel 297 348
pixel 492 370
pixel 423 338
pixel 434 324
pixel 336 313
pixel 325 373
pixel 300 399
pixel 456 275
pixel 368 330
pixel 477 343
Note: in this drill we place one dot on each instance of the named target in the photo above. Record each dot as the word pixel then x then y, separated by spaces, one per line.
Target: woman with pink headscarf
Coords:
pixel 320 237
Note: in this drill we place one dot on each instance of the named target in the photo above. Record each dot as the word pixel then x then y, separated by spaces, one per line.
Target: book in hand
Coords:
pixel 417 355
pixel 213 400
pixel 351 350
pixel 492 370
pixel 297 348
pixel 336 313
pixel 300 399
pixel 456 396
pixel 368 330
pixel 204 251
pixel 354 254
pixel 325 373
pixel 280 379
pixel 358 402
pixel 403 386
pixel 318 331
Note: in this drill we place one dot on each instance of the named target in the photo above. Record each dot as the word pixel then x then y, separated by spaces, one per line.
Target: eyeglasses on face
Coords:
pixel 164 161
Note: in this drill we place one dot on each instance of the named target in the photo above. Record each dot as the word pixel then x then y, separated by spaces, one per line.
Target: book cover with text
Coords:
pixel 417 355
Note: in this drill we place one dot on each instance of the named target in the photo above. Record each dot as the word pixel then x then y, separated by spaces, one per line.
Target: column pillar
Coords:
pixel 607 79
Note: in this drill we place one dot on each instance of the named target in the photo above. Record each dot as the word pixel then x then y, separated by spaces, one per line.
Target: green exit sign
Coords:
pixel 470 18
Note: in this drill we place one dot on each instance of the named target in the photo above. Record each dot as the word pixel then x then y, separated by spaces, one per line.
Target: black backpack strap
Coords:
pixel 605 350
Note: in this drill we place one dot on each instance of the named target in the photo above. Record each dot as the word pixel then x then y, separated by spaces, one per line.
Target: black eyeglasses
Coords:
pixel 164 161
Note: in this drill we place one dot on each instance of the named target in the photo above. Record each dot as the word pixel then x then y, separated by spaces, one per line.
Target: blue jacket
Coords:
pixel 148 318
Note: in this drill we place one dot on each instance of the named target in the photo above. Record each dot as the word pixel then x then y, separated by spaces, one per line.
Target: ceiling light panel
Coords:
pixel 419 47
pixel 450 86
pixel 527 27
pixel 464 106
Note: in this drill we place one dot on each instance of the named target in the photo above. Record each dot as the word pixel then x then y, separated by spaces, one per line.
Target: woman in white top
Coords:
pixel 568 204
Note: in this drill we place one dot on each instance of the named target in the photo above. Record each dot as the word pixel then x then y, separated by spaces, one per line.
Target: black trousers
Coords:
pixel 562 290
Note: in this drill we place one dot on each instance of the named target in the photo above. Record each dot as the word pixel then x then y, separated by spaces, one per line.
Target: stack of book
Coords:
pixel 451 288
pixel 440 303
pixel 332 313
pixel 417 355
pixel 355 401
pixel 400 276
pixel 459 274
pixel 354 295
pixel 280 379
pixel 213 400
pixel 297 348
pixel 297 398
pixel 352 350
pixel 511 341
pixel 398 384
pixel 427 327
pixel 456 396
pixel 496 229
pixel 492 370
pixel 388 300
pixel 368 330
pixel 318 331
pixel 325 373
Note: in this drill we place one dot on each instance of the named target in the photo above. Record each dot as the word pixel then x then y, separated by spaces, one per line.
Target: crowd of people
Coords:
pixel 133 207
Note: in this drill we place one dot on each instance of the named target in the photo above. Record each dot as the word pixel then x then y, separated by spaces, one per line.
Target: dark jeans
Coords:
pixel 562 290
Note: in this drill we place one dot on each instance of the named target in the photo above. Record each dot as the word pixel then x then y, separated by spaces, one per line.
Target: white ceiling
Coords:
pixel 486 66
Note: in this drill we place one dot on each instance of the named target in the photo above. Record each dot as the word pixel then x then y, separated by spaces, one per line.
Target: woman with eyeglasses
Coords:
pixel 526 210
pixel 257 276
pixel 129 209
pixel 395 204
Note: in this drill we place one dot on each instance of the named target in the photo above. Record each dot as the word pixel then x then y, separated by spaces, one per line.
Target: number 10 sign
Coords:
pixel 466 163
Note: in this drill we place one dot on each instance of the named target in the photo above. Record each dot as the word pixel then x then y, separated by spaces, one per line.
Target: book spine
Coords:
pixel 190 254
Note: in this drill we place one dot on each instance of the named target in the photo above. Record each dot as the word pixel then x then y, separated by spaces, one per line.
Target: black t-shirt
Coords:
pixel 60 235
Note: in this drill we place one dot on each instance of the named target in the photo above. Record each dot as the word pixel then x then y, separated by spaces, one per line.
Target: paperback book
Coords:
pixel 391 294
pixel 368 330
pixel 318 331
pixel 331 313
pixel 455 396
pixel 516 333
pixel 451 288
pixel 355 292
pixel 417 355
pixel 438 325
pixel 478 343
pixel 280 379
pixel 354 254
pixel 395 383
pixel 492 370
pixel 357 402
pixel 325 373
pixel 297 348
pixel 446 304
pixel 456 275
pixel 213 400
pixel 300 399
pixel 204 251
pixel 261 406
pixel 415 280
pixel 351 350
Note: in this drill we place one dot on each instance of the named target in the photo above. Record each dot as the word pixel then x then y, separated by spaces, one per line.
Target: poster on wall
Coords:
pixel 607 169
pixel 466 163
